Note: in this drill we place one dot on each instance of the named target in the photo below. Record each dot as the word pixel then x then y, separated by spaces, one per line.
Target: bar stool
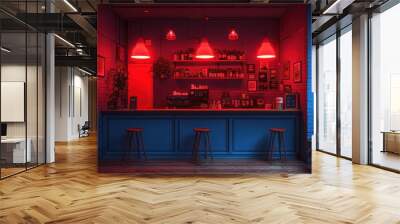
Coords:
pixel 199 132
pixel 280 133
pixel 137 135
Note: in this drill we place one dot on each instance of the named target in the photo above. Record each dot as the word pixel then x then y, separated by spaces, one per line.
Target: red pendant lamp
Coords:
pixel 266 50
pixel 233 35
pixel 204 51
pixel 170 35
pixel 140 50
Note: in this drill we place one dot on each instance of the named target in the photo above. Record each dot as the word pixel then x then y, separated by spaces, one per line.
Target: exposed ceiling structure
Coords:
pixel 198 11
pixel 75 21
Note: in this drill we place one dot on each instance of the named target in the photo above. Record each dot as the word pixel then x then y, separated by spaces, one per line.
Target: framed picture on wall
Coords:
pixel 292 101
pixel 101 66
pixel 252 85
pixel 286 71
pixel 297 72
pixel 273 79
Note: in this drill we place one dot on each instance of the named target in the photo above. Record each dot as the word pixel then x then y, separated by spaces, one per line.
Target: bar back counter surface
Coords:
pixel 204 89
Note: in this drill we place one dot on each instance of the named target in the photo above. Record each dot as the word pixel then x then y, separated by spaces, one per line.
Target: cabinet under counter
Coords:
pixel 168 134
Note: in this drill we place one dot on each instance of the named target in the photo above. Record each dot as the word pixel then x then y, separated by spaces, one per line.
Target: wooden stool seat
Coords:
pixel 280 133
pixel 134 129
pixel 136 134
pixel 199 132
pixel 277 129
pixel 201 129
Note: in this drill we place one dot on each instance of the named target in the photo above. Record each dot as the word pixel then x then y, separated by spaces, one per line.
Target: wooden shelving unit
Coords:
pixel 200 62
pixel 205 78
pixel 197 61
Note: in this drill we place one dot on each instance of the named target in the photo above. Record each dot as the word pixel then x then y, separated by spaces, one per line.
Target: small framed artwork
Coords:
pixel 251 68
pixel 252 85
pixel 101 66
pixel 273 79
pixel 292 101
pixel 297 72
pixel 286 71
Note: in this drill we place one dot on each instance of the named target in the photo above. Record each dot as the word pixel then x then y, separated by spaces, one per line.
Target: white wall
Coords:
pixel 71 102
pixel 16 73
pixel 33 127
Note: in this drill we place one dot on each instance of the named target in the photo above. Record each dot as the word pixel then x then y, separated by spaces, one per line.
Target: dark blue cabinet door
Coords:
pixel 218 135
pixel 158 134
pixel 251 135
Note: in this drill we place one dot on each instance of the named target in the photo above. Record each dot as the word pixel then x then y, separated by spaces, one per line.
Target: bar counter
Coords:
pixel 168 133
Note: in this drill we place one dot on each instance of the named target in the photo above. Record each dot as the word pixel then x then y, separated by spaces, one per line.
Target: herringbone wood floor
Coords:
pixel 71 191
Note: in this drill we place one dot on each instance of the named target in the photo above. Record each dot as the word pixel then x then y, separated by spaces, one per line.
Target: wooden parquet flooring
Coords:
pixel 72 191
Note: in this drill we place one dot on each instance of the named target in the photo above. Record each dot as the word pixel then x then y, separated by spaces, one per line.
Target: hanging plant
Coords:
pixel 118 97
pixel 162 68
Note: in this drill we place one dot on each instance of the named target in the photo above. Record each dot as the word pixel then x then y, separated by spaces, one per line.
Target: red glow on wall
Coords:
pixel 266 51
pixel 204 51
pixel 233 35
pixel 140 50
pixel 170 35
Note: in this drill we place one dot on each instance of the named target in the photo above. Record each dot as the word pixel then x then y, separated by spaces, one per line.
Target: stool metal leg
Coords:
pixel 205 144
pixel 280 145
pixel 137 145
pixel 209 150
pixel 129 147
pixel 272 145
pixel 284 146
pixel 269 146
pixel 142 145
pixel 196 147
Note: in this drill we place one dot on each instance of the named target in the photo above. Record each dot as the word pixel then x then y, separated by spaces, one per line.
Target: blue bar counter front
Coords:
pixel 169 135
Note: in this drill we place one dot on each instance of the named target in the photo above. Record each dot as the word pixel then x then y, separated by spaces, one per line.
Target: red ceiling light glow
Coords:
pixel 170 35
pixel 140 50
pixel 233 35
pixel 266 51
pixel 204 51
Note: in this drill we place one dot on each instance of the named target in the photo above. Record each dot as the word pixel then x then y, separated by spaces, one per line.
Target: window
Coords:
pixel 346 93
pixel 335 74
pixel 327 96
pixel 385 89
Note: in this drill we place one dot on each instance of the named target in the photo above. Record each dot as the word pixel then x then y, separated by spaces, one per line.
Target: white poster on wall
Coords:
pixel 12 101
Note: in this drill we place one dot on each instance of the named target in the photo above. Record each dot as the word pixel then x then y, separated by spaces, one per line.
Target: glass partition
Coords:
pixel 22 92
pixel 14 153
pixel 326 108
